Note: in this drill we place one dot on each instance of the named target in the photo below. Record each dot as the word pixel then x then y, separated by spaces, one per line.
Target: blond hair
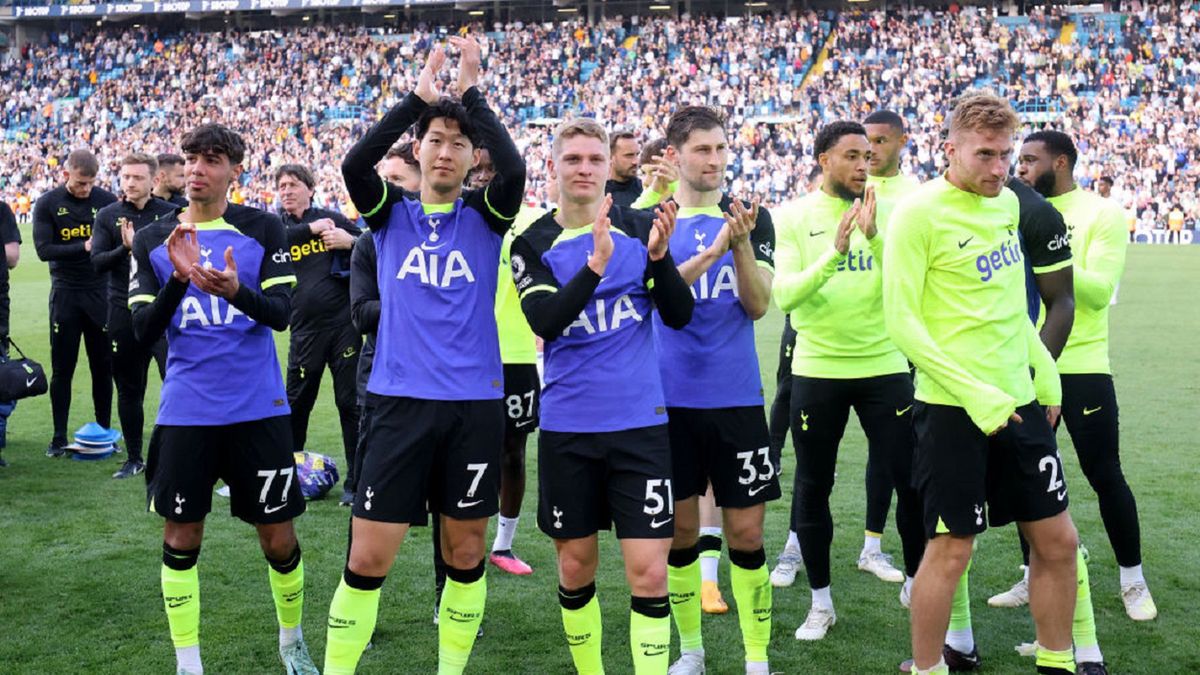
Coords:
pixel 983 112
pixel 150 161
pixel 580 126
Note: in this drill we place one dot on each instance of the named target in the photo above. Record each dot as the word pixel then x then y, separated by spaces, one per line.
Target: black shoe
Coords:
pixel 960 662
pixel 56 449
pixel 1091 668
pixel 130 468
pixel 347 498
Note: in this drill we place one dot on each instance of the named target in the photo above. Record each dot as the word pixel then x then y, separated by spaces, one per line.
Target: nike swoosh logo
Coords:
pixel 173 605
pixel 817 233
pixel 1093 410
pixel 30 381
pixel 756 490
pixel 454 617
pixel 680 602
pixel 901 412
pixel 426 247
pixel 523 424
pixel 963 243
pixel 576 643
pixel 765 618
pixel 270 509
pixel 1062 495
pixel 658 653
pixel 655 524
pixel 468 505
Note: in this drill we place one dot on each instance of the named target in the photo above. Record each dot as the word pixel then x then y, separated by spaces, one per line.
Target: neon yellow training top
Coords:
pixel 835 301
pixel 517 342
pixel 954 301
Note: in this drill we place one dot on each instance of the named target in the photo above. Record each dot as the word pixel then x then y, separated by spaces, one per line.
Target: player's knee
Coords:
pixel 686 534
pixel 278 542
pixel 183 536
pixel 575 571
pixel 368 562
pixel 949 554
pixel 1055 545
pixel 647 578
pixel 465 556
pixel 744 535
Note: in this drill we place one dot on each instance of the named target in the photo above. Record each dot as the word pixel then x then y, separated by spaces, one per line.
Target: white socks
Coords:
pixel 505 529
pixel 187 659
pixel 288 636
pixel 792 542
pixel 1132 575
pixel 962 640
pixel 1088 654
pixel 871 543
pixel 822 598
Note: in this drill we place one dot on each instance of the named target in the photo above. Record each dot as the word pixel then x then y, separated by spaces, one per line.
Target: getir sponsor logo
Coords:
pixel 1005 255
pixel 308 248
pixel 82 232
pixel 857 261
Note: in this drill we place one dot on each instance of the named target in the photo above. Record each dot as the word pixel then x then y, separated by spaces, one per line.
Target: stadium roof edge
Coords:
pixel 117 9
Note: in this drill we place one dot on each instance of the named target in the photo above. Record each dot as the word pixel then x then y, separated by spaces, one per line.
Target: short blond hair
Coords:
pixel 580 126
pixel 132 158
pixel 983 112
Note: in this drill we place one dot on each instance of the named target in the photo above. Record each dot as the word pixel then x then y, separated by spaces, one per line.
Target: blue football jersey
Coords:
pixel 221 364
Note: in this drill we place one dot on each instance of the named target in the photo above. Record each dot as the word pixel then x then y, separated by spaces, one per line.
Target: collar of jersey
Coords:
pixel 569 233
pixel 438 208
pixel 693 211
pixel 218 224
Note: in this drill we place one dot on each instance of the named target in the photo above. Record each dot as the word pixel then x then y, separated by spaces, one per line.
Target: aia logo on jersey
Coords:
pixel 435 268
pixel 1005 255
pixel 193 311
pixel 724 281
pixel 609 315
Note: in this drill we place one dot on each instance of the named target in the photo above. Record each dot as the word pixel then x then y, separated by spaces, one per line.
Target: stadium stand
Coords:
pixel 1124 84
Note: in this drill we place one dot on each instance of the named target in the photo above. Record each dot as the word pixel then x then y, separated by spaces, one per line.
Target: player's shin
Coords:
pixel 181 597
pixel 650 634
pixel 582 624
pixel 287 588
pixel 352 616
pixel 752 591
pixel 460 614
pixel 683 584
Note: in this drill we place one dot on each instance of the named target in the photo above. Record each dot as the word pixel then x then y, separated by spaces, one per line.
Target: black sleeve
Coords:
pixel 43 236
pixel 9 232
pixel 364 286
pixel 107 248
pixel 672 296
pixel 549 308
pixel 1044 234
pixel 297 233
pixel 763 239
pixel 152 306
pixel 344 223
pixel 271 303
pixel 500 201
pixel 370 193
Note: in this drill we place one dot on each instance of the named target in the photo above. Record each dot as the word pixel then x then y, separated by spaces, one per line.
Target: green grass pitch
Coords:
pixel 80 557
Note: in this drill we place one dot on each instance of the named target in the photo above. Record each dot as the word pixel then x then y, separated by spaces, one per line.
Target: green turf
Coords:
pixel 79 556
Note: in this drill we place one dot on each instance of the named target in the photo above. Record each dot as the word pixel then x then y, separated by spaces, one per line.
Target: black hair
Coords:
pixel 84 162
pixel 692 118
pixel 886 117
pixel 1057 143
pixel 831 133
pixel 297 171
pixel 652 149
pixel 170 159
pixel 449 108
pixel 215 139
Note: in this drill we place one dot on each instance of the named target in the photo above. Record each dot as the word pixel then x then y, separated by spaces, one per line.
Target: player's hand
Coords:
pixel 127 234
pixel 319 226
pixel 741 222
pixel 664 227
pixel 183 250
pixel 337 238
pixel 866 214
pixel 427 84
pixel 1053 412
pixel 469 60
pixel 602 243
pixel 223 283
pixel 87 245
pixel 841 242
pixel 660 174
pixel 1012 419
pixel 721 244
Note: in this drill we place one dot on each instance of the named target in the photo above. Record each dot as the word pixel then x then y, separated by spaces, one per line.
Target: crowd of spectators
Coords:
pixel 1124 85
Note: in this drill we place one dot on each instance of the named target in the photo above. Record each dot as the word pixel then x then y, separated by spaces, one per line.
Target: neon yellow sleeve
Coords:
pixel 1045 375
pixel 798 274
pixel 1097 274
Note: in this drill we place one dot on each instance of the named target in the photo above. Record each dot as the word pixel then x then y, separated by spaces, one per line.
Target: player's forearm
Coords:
pixel 106 256
pixel 1045 376
pixel 794 285
pixel 272 307
pixel 365 187
pixel 695 267
pixel 151 318
pixel 298 233
pixel 1094 290
pixel 43 244
pixel 364 313
pixel 550 311
pixel 650 198
pixel 504 193
pixel 754 281
pixel 672 296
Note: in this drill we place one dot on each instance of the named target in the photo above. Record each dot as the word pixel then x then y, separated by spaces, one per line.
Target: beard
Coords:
pixel 844 191
pixel 1044 184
